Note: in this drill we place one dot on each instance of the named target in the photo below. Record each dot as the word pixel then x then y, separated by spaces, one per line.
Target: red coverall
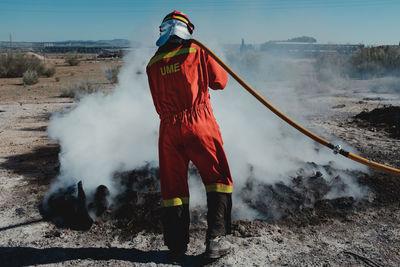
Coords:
pixel 179 76
pixel 179 81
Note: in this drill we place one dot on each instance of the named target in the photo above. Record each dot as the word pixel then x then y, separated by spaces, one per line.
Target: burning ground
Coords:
pixel 296 222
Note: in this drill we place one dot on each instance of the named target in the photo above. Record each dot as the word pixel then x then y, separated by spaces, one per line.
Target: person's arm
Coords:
pixel 152 89
pixel 217 76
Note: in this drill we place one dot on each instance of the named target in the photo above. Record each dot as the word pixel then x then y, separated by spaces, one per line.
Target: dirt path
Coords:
pixel 368 235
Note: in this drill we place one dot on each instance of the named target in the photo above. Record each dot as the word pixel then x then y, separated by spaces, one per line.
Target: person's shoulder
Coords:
pixel 193 47
pixel 190 43
pixel 150 61
pixel 154 58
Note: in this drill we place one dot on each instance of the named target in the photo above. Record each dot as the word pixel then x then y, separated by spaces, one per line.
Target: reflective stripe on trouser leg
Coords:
pixel 176 201
pixel 219 188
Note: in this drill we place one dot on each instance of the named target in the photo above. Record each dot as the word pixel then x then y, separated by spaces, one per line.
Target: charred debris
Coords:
pixel 67 208
pixel 138 206
pixel 386 118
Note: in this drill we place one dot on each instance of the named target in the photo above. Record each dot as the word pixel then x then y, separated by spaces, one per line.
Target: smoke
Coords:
pixel 386 85
pixel 262 147
pixel 105 134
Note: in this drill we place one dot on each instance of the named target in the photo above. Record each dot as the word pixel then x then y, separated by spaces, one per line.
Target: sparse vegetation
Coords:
pixel 29 67
pixel 78 89
pixel 49 72
pixel 15 64
pixel 72 59
pixel 111 73
pixel 30 77
pixel 376 61
pixel 364 63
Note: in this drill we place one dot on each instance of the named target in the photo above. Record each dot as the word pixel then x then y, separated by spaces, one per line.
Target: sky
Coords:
pixel 370 22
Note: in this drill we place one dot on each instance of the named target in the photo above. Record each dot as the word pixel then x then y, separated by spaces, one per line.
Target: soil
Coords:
pixel 386 118
pixel 333 232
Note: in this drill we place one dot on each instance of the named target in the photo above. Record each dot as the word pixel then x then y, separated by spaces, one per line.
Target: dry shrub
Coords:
pixel 364 63
pixel 49 72
pixel 78 89
pixel 111 73
pixel 376 61
pixel 30 77
pixel 15 64
pixel 72 59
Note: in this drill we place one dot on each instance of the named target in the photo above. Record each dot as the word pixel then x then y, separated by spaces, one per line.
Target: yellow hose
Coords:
pixel 300 128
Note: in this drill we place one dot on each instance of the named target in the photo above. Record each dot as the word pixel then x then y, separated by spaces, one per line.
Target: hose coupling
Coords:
pixel 337 149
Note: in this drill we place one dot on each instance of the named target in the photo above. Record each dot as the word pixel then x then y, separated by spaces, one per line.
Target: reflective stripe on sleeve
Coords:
pixel 220 188
pixel 177 201
pixel 172 54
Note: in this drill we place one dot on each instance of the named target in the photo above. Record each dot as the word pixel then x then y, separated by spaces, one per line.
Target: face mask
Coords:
pixel 172 27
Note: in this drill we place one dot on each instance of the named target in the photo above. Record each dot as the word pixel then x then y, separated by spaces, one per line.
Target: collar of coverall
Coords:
pixel 172 27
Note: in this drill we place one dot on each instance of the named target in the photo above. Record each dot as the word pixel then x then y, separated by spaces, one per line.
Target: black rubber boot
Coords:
pixel 175 221
pixel 219 224
pixel 219 214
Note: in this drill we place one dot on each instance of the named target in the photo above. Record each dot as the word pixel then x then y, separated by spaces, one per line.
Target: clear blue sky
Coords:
pixel 371 22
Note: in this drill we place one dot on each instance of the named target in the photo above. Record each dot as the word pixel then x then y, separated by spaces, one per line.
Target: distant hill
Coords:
pixel 303 39
pixel 120 42
pixel 84 43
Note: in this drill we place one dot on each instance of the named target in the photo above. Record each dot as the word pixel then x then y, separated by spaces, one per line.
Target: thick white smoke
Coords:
pixel 255 137
pixel 104 134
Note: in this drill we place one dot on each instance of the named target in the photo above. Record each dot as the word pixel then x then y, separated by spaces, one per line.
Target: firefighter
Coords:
pixel 179 76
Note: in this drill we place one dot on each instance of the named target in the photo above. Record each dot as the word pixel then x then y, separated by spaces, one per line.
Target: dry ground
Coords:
pixel 367 235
